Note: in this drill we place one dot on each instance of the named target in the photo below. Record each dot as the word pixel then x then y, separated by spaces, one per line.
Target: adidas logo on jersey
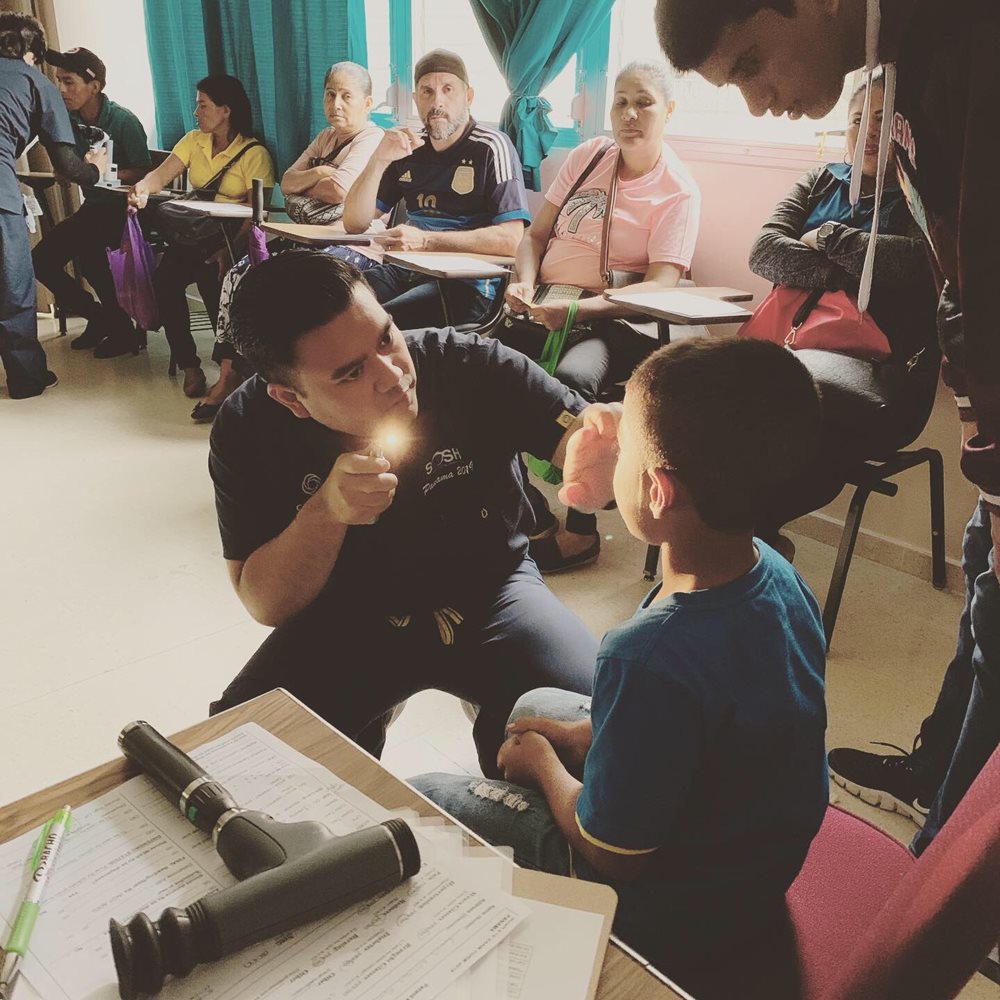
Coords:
pixel 406 178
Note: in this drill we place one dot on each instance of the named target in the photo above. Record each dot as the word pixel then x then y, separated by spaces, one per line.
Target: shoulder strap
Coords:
pixel 331 156
pixel 215 183
pixel 587 171
pixel 609 210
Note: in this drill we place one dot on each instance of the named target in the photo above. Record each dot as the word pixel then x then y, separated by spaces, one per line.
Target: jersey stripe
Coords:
pixel 501 152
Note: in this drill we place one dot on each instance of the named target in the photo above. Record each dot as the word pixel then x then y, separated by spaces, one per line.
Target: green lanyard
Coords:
pixel 555 342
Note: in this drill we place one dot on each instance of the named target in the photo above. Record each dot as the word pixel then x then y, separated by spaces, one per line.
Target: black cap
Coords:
pixel 83 62
pixel 440 61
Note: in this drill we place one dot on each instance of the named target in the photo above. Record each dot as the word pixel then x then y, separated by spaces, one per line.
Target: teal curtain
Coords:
pixel 531 41
pixel 279 50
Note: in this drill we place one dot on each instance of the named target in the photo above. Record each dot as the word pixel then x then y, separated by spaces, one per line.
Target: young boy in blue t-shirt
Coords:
pixel 695 779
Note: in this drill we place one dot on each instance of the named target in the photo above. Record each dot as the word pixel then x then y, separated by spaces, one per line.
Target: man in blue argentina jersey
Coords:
pixel 464 191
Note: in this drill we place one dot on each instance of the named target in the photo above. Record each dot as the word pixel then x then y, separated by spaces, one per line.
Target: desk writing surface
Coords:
pixel 449 265
pixel 681 306
pixel 332 235
pixel 622 977
pixel 218 209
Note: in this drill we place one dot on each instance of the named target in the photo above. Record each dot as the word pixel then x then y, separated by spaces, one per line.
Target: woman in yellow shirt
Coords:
pixel 225 129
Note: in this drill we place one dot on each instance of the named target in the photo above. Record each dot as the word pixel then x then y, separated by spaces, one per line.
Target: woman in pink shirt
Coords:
pixel 652 233
pixel 316 184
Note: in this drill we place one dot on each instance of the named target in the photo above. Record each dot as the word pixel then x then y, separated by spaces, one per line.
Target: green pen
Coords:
pixel 42 859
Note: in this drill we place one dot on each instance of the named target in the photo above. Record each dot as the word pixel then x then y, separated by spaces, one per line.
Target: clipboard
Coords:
pixel 575 894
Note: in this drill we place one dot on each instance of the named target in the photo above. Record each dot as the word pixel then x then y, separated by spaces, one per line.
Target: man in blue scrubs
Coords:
pixel 30 107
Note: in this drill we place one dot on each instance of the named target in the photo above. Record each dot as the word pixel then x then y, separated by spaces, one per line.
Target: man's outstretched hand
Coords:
pixel 591 456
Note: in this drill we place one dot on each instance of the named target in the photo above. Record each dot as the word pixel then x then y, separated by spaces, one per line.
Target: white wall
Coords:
pixel 116 32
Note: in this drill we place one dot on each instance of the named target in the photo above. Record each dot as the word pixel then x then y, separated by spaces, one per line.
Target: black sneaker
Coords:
pixel 888 781
pixel 51 380
pixel 116 345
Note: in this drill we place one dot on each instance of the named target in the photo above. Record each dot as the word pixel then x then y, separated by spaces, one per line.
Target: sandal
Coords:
pixel 550 559
pixel 204 413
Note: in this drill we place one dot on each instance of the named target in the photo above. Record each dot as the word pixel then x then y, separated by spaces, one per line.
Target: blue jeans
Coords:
pixel 681 937
pixel 416 302
pixel 20 351
pixel 507 814
pixel 351 665
pixel 964 729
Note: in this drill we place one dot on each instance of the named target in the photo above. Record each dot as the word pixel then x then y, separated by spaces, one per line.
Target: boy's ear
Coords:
pixel 662 492
pixel 288 398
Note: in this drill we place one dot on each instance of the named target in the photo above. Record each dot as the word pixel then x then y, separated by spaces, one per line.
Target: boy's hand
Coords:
pixel 571 740
pixel 523 758
pixel 591 456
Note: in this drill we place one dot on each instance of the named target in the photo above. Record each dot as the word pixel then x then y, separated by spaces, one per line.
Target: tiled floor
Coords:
pixel 115 604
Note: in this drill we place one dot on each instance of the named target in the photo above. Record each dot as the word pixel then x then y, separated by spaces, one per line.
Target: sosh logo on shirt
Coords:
pixel 445 464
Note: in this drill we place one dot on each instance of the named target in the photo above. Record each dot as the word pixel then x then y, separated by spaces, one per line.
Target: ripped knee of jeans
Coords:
pixel 491 792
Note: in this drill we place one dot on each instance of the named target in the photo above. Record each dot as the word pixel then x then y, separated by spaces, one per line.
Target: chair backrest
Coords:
pixel 944 916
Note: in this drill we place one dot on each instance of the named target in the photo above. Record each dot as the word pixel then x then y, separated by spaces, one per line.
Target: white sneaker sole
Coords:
pixel 881 799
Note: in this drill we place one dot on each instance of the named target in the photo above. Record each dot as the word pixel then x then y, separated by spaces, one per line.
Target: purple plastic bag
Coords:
pixel 258 245
pixel 132 267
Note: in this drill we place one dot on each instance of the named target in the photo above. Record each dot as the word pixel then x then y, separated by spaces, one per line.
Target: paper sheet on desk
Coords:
pixel 130 850
pixel 549 955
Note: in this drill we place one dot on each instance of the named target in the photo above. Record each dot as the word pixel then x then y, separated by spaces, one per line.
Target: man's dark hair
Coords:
pixel 280 299
pixel 227 90
pixel 737 419
pixel 20 34
pixel 689 30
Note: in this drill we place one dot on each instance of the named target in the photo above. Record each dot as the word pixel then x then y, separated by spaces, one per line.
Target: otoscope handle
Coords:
pixel 335 875
pixel 200 799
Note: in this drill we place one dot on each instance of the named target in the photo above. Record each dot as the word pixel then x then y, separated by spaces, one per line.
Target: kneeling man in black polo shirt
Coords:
pixel 372 509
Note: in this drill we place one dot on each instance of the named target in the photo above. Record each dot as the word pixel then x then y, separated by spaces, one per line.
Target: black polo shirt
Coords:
pixel 30 106
pixel 457 527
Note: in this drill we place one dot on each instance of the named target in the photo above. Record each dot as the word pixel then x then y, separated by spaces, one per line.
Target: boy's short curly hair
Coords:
pixel 282 298
pixel 689 30
pixel 735 418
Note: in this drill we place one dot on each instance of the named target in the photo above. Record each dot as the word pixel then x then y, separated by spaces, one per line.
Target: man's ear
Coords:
pixel 662 492
pixel 288 398
pixel 469 95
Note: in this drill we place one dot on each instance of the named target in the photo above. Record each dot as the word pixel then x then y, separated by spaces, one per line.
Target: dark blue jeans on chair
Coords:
pixel 352 666
pixel 413 299
pixel 959 736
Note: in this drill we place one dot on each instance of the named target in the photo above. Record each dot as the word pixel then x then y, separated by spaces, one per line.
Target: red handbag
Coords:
pixel 799 319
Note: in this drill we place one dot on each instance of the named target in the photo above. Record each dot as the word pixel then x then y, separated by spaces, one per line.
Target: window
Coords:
pixel 379 60
pixel 399 32
pixel 703 110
